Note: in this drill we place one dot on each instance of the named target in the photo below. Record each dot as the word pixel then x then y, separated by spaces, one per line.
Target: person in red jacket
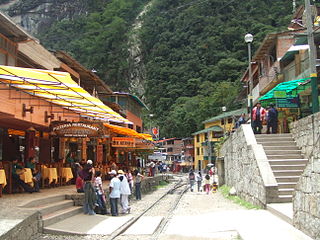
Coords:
pixel 257 116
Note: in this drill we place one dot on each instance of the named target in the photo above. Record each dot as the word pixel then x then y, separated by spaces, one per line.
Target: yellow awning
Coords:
pixel 58 88
pixel 128 132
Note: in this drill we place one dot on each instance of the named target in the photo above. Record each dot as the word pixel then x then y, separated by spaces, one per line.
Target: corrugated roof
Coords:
pixel 211 129
pixel 226 114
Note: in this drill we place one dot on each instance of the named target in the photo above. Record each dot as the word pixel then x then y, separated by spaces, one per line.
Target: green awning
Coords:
pixel 285 94
pixel 211 129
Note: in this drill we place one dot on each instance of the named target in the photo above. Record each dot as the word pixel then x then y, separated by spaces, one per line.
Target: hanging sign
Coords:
pixel 76 129
pixel 125 142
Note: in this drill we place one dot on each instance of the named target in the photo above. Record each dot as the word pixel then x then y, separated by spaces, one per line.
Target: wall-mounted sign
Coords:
pixel 123 142
pixel 76 129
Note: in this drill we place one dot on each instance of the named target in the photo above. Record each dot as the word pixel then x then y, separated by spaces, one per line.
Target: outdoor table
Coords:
pixel 3 180
pixel 27 177
pixel 67 174
pixel 50 173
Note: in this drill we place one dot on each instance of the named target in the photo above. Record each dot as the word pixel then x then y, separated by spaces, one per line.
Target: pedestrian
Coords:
pixel 130 179
pixel 272 120
pixel 257 116
pixel 90 197
pixel 137 183
pixel 114 192
pixel 207 183
pixel 241 120
pixel 101 199
pixel 36 176
pixel 191 179
pixel 124 192
pixel 199 181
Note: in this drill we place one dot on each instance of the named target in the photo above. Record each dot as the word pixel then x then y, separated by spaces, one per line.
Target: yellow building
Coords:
pixel 215 128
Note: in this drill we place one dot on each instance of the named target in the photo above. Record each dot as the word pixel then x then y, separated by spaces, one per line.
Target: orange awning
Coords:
pixel 128 132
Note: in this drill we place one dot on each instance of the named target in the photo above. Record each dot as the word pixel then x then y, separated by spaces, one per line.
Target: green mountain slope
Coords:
pixel 195 52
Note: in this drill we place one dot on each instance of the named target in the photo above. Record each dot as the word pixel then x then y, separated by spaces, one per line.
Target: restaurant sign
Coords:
pixel 76 129
pixel 124 142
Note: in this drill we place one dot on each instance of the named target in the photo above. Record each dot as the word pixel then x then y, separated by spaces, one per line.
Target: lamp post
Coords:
pixel 248 39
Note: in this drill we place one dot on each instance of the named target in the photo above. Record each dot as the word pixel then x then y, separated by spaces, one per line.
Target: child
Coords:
pixel 207 183
pixel 101 200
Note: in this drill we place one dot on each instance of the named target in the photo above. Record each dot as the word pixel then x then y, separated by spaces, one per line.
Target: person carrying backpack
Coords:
pixel 191 179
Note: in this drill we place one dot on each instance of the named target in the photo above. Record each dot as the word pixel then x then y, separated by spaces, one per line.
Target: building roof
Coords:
pixel 135 98
pixel 226 114
pixel 211 129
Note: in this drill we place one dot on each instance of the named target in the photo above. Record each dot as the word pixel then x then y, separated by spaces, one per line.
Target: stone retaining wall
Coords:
pixel 306 198
pixel 148 185
pixel 247 168
pixel 29 226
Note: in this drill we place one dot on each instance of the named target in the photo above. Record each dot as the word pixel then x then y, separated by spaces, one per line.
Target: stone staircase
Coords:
pixel 53 209
pixel 286 161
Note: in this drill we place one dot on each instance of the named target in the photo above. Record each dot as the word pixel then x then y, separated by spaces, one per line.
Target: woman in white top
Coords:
pixel 125 192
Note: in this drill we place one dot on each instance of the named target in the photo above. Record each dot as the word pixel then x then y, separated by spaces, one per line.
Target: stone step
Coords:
pixel 284 156
pixel 279 135
pixel 282 152
pixel 280 139
pixel 286 198
pixel 283 185
pixel 287 161
pixel 275 143
pixel 44 201
pixel 287 172
pixel 288 167
pixel 293 179
pixel 58 216
pixel 285 191
pixel 53 207
pixel 280 148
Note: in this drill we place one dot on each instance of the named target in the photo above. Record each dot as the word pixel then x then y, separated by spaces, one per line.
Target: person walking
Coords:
pixel 130 179
pixel 90 197
pixel 101 200
pixel 207 183
pixel 114 192
pixel 137 183
pixel 124 192
pixel 272 120
pixel 191 179
pixel 257 116
pixel 199 181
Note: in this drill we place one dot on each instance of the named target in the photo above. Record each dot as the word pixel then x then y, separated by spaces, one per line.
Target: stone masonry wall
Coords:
pixel 244 167
pixel 306 199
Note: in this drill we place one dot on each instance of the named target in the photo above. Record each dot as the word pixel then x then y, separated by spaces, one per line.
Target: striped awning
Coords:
pixel 128 132
pixel 58 88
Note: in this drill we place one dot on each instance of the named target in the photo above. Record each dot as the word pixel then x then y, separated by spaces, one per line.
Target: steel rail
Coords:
pixel 135 219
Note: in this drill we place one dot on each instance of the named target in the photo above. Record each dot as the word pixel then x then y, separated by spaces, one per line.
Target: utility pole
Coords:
pixel 312 58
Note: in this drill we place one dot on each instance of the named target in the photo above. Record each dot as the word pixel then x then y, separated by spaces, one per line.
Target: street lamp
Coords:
pixel 248 38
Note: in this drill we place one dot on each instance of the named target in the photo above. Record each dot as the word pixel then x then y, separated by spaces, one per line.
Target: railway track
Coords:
pixel 178 190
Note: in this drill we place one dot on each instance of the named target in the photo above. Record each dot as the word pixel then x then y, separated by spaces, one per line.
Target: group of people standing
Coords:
pixel 120 188
pixel 259 115
pixel 209 181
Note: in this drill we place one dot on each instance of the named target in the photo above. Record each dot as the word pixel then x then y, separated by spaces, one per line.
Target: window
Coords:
pixel 198 151
pixel 222 121
pixel 138 129
pixel 198 139
pixel 8 51
pixel 230 120
pixel 170 149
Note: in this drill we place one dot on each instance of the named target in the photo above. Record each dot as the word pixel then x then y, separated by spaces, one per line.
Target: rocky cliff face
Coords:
pixel 37 15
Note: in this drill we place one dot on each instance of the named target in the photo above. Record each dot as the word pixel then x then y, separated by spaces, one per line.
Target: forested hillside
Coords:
pixel 193 51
